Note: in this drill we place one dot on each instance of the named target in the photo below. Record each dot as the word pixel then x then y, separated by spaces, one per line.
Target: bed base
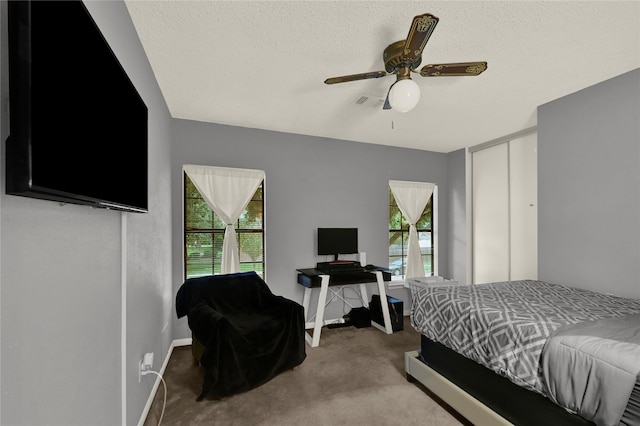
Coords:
pixel 469 407
pixel 480 394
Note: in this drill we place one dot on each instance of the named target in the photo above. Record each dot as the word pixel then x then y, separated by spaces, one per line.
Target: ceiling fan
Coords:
pixel 404 57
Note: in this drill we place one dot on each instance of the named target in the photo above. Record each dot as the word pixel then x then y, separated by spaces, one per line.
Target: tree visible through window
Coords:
pixel 204 234
pixel 399 239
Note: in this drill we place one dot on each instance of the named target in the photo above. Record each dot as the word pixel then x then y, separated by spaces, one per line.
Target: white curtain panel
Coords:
pixel 412 198
pixel 227 191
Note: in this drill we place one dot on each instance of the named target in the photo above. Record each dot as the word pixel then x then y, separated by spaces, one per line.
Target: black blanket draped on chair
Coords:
pixel 249 334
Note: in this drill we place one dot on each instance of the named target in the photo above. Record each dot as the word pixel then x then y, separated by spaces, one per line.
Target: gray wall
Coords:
pixel 457 233
pixel 310 182
pixel 60 277
pixel 589 187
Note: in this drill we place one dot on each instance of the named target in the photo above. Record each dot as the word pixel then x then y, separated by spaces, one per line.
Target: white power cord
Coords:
pixel 164 403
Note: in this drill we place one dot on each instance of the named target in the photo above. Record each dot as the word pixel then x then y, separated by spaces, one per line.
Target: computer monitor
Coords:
pixel 337 241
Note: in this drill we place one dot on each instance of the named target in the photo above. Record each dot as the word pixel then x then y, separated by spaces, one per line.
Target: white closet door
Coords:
pixel 490 204
pixel 523 166
pixel 505 213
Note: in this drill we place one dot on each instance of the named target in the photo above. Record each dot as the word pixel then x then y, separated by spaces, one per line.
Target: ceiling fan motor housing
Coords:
pixel 394 60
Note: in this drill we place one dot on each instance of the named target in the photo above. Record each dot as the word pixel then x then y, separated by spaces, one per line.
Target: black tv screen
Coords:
pixel 78 127
pixel 335 241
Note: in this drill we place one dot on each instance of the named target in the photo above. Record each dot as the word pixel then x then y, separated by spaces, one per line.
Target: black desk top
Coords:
pixel 311 277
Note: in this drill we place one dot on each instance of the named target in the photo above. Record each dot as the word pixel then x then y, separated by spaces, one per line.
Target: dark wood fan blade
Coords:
pixel 457 69
pixel 354 77
pixel 421 29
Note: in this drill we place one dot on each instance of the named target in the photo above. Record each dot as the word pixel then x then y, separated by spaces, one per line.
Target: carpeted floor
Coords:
pixel 355 377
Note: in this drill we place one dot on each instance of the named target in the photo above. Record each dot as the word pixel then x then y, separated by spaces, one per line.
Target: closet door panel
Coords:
pixel 490 205
pixel 523 166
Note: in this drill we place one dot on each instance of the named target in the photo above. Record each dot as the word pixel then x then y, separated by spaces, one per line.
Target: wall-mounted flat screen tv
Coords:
pixel 78 127
pixel 336 241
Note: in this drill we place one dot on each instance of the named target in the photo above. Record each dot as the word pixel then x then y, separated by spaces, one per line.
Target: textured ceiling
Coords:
pixel 262 64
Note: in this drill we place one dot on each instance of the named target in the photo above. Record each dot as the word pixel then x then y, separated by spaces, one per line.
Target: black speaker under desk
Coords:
pixel 396 310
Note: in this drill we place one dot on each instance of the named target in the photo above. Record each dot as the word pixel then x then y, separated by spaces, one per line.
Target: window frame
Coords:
pixel 215 261
pixel 404 230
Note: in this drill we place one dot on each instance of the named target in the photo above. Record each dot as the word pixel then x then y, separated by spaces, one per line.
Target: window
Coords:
pixel 399 238
pixel 204 234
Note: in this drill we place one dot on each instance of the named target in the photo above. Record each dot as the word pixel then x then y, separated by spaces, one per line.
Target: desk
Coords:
pixel 315 279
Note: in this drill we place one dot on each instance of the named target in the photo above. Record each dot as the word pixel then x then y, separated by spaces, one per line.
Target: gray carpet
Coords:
pixel 355 377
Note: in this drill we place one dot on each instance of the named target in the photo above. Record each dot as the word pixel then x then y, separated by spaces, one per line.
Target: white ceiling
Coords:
pixel 262 64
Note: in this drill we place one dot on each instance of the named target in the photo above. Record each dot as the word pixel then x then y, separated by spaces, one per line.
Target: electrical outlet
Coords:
pixel 148 360
pixel 144 365
pixel 140 368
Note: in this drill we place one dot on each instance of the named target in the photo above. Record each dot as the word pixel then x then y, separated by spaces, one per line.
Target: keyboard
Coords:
pixel 339 268
pixel 331 268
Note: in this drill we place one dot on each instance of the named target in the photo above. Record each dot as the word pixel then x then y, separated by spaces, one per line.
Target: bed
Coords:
pixel 528 352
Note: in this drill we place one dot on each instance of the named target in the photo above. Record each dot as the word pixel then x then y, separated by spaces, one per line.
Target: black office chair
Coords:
pixel 243 334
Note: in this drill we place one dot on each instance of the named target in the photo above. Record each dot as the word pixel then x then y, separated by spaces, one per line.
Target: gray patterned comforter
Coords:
pixel 504 326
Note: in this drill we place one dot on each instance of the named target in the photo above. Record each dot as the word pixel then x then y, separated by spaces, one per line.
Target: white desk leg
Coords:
pixel 305 302
pixel 383 302
pixel 322 300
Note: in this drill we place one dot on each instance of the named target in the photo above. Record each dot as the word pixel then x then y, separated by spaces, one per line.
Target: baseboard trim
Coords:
pixel 182 342
pixel 156 385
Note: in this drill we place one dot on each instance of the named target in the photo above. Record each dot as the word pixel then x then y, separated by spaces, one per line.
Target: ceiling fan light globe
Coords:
pixel 404 95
